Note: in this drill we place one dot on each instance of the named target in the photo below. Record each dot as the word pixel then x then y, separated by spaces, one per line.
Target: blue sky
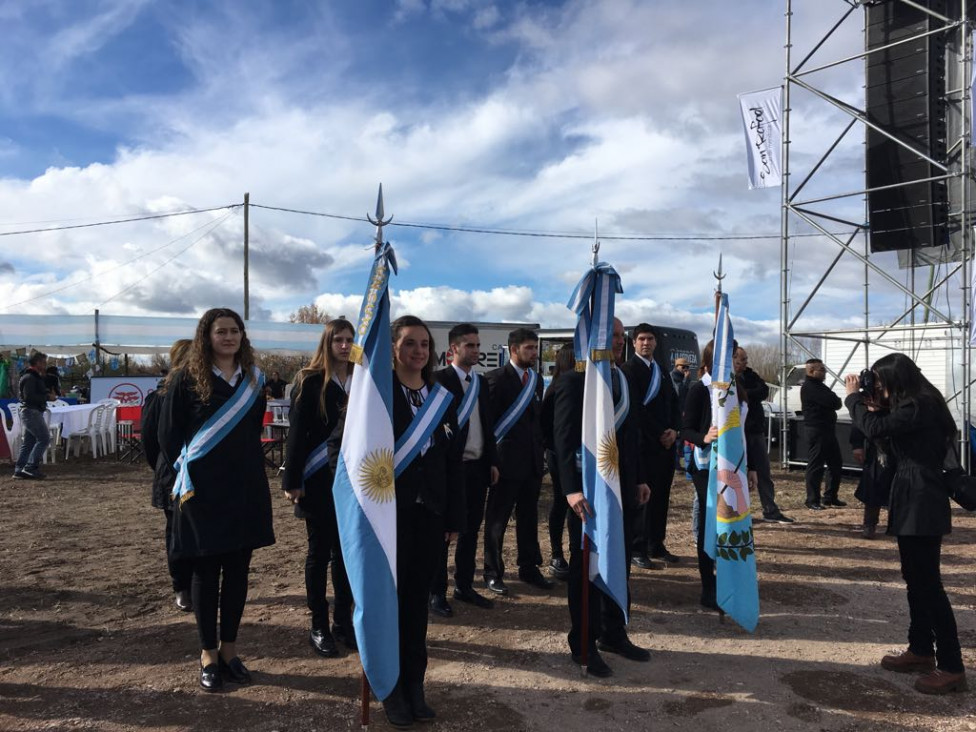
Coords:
pixel 539 116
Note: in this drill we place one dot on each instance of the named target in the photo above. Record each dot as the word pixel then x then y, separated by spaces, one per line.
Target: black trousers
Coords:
pixel 759 461
pixel 323 547
pixel 420 537
pixel 651 521
pixel 932 625
pixel 180 570
pixel 467 544
pixel 522 495
pixel 219 584
pixel 606 619
pixel 706 565
pixel 558 510
pixel 824 451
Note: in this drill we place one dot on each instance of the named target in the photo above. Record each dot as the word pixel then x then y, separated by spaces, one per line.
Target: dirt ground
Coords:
pixel 90 638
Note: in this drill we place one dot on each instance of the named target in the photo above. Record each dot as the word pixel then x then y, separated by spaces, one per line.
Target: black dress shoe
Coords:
pixel 624 647
pixel 710 603
pixel 559 568
pixel 440 606
pixel 418 705
pixel 497 586
pixel 534 577
pixel 833 502
pixel 662 553
pixel 471 597
pixel 183 601
pixel 595 665
pixel 210 678
pixel 643 561
pixel 813 506
pixel 234 670
pixel 323 643
pixel 397 710
pixel 345 634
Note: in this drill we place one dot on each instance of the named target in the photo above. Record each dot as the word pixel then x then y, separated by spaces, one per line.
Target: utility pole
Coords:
pixel 247 298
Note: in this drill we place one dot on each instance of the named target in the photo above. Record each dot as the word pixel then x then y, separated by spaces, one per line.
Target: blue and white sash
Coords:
pixel 468 401
pixel 220 424
pixel 622 407
pixel 655 386
pixel 703 455
pixel 316 460
pixel 515 412
pixel 420 429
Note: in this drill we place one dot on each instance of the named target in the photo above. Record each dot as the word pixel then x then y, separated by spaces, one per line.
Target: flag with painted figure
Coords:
pixel 593 302
pixel 364 493
pixel 728 522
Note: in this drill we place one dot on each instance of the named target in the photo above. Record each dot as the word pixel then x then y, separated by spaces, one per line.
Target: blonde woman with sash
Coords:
pixel 320 394
pixel 210 429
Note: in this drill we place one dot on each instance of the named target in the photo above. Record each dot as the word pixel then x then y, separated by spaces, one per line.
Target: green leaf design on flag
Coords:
pixel 722 538
pixel 734 538
pixel 733 555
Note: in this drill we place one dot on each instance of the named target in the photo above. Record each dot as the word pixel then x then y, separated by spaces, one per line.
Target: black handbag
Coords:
pixel 959 484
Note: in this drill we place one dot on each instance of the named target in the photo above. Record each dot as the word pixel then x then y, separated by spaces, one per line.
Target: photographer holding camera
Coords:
pixel 920 430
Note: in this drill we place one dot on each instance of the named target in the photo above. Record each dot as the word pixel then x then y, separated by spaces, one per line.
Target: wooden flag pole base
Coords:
pixel 585 610
pixel 364 704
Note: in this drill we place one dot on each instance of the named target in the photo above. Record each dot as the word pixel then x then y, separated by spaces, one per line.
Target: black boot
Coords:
pixel 418 706
pixel 397 709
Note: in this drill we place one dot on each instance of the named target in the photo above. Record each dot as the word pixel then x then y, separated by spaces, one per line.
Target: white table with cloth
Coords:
pixel 72 418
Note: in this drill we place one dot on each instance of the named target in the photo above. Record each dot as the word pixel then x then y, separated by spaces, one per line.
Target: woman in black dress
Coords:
pixel 222 505
pixel 920 430
pixel 320 393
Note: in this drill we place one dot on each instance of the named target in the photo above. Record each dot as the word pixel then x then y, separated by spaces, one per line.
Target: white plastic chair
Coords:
pixel 15 434
pixel 92 433
pixel 55 442
pixel 108 427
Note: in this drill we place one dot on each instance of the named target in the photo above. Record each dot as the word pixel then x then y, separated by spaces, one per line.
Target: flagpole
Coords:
pixel 719 276
pixel 364 703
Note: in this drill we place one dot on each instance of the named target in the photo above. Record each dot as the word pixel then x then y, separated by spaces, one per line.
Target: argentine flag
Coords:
pixel 728 522
pixel 593 301
pixel 364 492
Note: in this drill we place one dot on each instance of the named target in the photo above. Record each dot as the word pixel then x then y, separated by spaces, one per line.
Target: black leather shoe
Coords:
pixel 183 601
pixel 710 603
pixel 440 606
pixel 346 635
pixel 624 647
pixel 471 597
pixel 595 665
pixel 323 643
pixel 643 561
pixel 210 678
pixel 534 577
pixel 418 705
pixel 497 586
pixel 664 554
pixel 397 710
pixel 833 502
pixel 559 568
pixel 813 506
pixel 234 670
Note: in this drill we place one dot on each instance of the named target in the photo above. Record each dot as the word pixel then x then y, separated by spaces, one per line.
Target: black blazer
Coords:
pixel 163 473
pixel 520 451
pixel 448 378
pixel 567 404
pixel 819 404
pixel 660 414
pixel 697 418
pixel 307 430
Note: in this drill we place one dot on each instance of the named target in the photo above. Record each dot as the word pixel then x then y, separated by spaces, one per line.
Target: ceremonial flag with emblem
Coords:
pixel 728 523
pixel 364 492
pixel 593 302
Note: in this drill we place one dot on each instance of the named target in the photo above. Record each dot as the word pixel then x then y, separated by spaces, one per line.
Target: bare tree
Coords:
pixel 764 359
pixel 309 314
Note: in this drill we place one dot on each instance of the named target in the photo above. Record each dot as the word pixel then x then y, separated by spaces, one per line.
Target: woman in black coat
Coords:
pixel 920 430
pixel 320 394
pixel 222 505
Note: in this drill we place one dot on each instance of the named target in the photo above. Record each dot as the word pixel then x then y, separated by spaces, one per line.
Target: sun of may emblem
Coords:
pixel 608 457
pixel 376 476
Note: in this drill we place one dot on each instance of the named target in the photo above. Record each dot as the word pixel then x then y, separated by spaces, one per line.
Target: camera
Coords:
pixel 866 382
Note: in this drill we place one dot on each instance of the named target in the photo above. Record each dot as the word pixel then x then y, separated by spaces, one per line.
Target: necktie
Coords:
pixel 525 377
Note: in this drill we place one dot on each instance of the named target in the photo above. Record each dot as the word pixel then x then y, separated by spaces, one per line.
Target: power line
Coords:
pixel 121 221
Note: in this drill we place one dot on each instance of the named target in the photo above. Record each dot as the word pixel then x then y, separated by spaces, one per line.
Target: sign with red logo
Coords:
pixel 131 391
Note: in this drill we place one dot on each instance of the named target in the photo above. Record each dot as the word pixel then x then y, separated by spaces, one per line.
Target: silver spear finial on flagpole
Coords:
pixel 718 275
pixel 596 241
pixel 378 222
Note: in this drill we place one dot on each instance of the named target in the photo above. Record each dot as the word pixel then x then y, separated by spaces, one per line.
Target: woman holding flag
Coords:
pixel 320 394
pixel 210 428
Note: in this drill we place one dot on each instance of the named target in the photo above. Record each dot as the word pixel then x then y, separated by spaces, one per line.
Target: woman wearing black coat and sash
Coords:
pixel 211 424
pixel 919 429
pixel 320 394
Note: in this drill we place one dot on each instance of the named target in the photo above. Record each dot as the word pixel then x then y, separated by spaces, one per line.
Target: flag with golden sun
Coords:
pixel 364 489
pixel 593 302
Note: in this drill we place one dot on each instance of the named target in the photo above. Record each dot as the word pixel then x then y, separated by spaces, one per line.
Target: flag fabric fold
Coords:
pixel 593 302
pixel 364 491
pixel 728 521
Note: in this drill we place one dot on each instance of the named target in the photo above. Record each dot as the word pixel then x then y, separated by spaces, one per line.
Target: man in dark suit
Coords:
pixel 605 629
pixel 819 405
pixel 659 421
pixel 480 467
pixel 519 463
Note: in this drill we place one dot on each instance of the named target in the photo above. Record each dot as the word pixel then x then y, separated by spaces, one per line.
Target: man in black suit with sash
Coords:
pixel 660 421
pixel 518 429
pixel 480 465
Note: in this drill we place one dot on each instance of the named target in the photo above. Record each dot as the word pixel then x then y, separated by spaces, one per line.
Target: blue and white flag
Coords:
pixel 728 522
pixel 364 491
pixel 593 301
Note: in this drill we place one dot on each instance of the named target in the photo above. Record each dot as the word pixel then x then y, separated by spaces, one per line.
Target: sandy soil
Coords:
pixel 90 638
